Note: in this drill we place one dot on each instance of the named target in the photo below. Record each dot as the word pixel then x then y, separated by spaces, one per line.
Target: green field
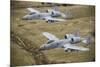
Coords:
pixel 26 35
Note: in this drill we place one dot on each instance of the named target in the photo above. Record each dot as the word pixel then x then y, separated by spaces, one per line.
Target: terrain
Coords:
pixel 26 35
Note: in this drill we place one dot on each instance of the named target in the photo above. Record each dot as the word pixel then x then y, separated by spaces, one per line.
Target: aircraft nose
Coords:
pixel 25 17
pixel 42 47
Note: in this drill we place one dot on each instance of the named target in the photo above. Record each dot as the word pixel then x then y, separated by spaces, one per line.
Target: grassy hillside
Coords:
pixel 24 51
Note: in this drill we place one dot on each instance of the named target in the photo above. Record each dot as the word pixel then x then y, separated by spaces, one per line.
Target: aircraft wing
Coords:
pixel 50 36
pixel 31 10
pixel 73 47
pixel 49 18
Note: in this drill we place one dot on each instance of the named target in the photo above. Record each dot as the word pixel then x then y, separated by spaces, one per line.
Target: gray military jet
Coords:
pixel 47 16
pixel 54 42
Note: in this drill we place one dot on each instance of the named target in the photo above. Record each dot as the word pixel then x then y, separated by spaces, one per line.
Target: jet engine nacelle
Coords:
pixel 53 13
pixel 72 38
pixel 75 39
pixel 68 36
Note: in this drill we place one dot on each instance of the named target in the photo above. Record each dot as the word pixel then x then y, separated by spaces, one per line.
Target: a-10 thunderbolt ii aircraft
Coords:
pixel 67 43
pixel 48 16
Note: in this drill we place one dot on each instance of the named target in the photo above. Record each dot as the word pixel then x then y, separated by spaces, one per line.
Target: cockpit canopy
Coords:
pixel 32 13
pixel 50 41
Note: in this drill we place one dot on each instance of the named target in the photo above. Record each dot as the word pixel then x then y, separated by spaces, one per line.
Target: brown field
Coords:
pixel 26 35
